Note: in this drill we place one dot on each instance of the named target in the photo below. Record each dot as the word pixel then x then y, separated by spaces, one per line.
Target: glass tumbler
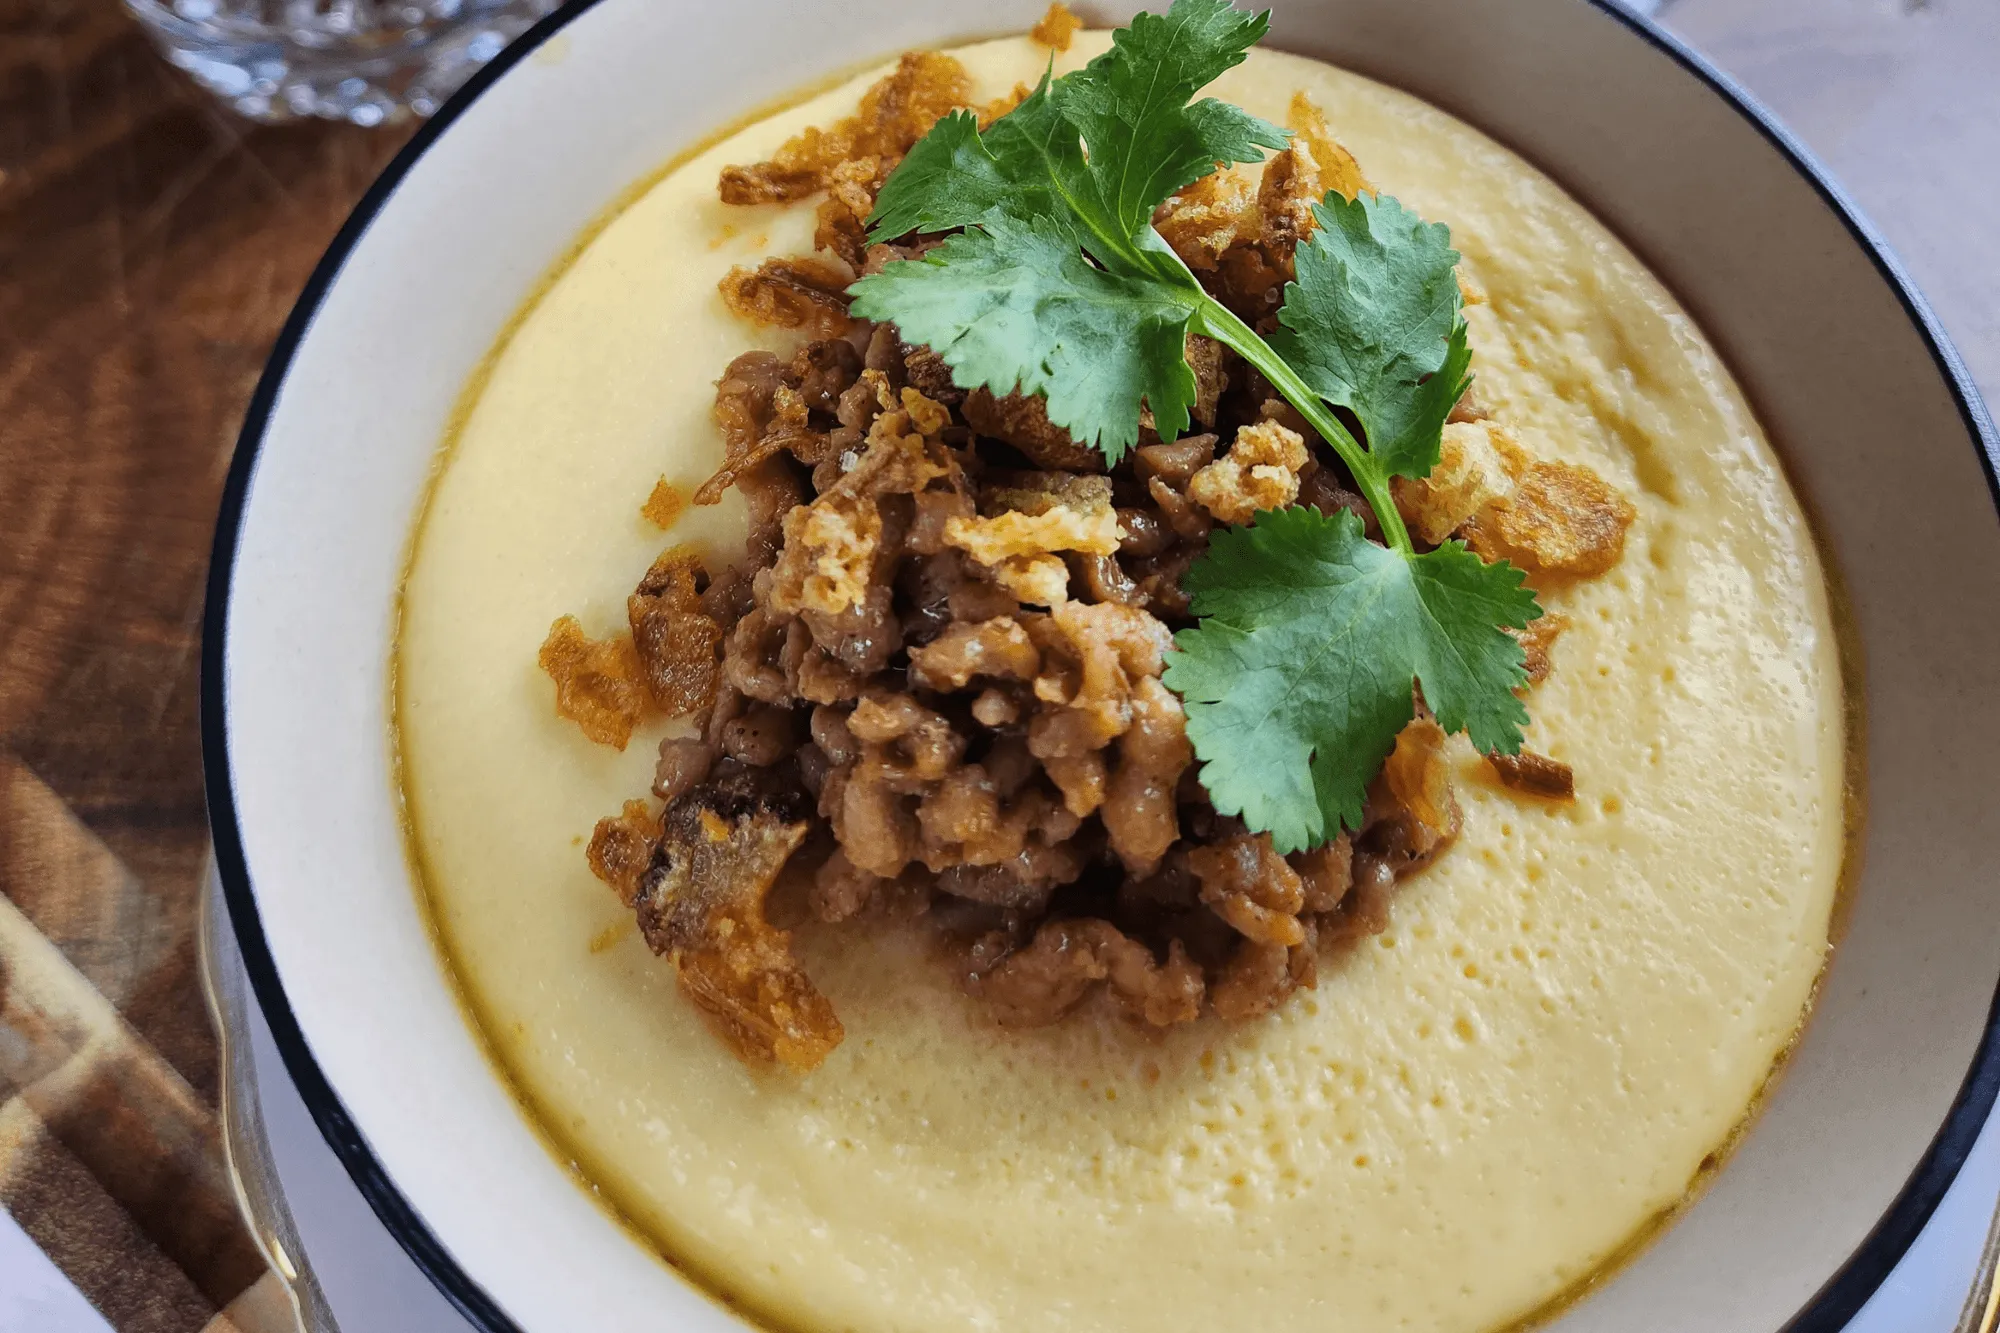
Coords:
pixel 365 61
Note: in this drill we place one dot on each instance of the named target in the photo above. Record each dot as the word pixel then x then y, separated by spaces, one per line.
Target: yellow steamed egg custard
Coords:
pixel 1570 1011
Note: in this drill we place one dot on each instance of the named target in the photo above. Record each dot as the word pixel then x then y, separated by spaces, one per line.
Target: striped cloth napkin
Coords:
pixel 118 1206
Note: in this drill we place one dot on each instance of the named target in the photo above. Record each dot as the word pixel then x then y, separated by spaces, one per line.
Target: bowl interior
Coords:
pixel 341 439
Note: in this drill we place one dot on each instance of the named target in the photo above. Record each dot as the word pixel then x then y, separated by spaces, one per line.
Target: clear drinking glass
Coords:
pixel 365 61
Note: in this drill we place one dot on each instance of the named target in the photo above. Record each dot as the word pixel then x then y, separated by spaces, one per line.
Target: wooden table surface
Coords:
pixel 150 246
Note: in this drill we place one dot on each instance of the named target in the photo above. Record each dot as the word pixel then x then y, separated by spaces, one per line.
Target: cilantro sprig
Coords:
pixel 1311 638
pixel 1076 169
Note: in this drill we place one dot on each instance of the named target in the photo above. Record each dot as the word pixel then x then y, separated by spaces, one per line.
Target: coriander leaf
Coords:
pixel 1074 171
pixel 1299 676
pixel 1373 313
pixel 949 178
pixel 1016 302
pixel 955 175
pixel 1131 106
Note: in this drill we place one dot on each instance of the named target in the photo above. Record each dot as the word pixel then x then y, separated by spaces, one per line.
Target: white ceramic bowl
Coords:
pixel 1866 401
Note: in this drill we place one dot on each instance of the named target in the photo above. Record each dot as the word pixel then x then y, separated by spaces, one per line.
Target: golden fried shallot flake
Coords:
pixel 1031 515
pixel 999 537
pixel 676 639
pixel 621 848
pixel 666 504
pixel 1055 28
pixel 1260 471
pixel 895 112
pixel 1295 179
pixel 702 905
pixel 1469 475
pixel 1559 520
pixel 841 221
pixel 1033 580
pixel 600 683
pixel 1204 219
pixel 828 559
pixel 796 293
pixel 840 534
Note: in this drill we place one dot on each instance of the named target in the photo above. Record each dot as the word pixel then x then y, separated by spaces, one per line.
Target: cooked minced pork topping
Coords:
pixel 930 686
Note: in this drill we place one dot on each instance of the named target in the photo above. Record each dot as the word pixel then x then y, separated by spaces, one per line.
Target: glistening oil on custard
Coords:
pixel 1570 1009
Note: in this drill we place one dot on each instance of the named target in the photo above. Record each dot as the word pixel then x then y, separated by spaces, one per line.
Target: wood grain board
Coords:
pixel 150 246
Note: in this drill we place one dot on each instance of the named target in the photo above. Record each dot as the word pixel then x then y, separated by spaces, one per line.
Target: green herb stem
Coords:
pixel 1217 321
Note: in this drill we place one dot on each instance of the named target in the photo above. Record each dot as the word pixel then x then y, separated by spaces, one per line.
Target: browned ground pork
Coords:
pixel 931 685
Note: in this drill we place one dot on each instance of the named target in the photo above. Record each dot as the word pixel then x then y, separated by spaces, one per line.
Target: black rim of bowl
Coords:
pixel 1830 1309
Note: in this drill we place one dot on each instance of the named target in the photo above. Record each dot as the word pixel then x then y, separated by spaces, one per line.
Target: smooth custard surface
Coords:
pixel 1572 1008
